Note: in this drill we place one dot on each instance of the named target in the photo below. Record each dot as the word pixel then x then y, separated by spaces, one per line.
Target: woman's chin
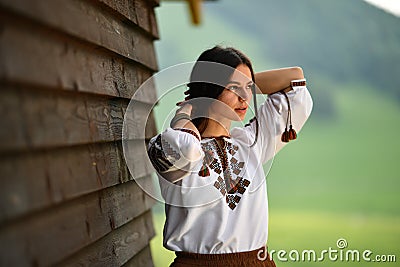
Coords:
pixel 240 116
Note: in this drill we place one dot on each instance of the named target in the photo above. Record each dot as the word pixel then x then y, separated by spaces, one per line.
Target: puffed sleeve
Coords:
pixel 174 153
pixel 272 115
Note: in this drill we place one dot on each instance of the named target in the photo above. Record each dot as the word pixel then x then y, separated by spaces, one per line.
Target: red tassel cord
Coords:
pixel 291 134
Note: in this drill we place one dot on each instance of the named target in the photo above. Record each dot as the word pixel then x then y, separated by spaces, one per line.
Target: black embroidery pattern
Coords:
pixel 216 158
pixel 216 166
pixel 232 148
pixel 236 166
pixel 233 198
pixel 240 187
pixel 162 155
pixel 220 185
pixel 232 201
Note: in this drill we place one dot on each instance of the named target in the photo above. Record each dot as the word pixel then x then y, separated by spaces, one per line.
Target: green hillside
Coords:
pixel 336 42
pixel 344 40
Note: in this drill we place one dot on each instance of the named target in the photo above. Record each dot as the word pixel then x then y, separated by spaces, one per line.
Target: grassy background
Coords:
pixel 340 179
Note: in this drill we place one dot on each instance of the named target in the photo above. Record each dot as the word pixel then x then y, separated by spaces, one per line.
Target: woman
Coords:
pixel 211 176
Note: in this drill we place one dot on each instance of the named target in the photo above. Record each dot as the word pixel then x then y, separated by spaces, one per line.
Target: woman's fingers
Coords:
pixel 184 101
pixel 185 108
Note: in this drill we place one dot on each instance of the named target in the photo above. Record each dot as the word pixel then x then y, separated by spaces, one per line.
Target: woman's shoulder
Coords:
pixel 242 135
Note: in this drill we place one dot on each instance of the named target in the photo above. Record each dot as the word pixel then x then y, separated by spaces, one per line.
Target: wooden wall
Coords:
pixel 68 69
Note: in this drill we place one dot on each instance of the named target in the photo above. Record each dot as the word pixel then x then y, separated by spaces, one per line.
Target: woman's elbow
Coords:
pixel 297 72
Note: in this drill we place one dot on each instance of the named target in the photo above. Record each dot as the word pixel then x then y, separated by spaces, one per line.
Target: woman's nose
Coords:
pixel 244 95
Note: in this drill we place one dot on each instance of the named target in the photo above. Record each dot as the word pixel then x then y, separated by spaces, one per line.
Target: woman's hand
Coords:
pixel 185 109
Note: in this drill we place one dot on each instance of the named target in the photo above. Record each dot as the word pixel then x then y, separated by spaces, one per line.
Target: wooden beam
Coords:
pixel 88 22
pixel 32 55
pixel 195 10
pixel 127 245
pixel 38 181
pixel 50 236
pixel 38 119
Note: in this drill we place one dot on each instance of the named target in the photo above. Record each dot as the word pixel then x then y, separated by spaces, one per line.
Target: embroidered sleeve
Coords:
pixel 272 116
pixel 174 153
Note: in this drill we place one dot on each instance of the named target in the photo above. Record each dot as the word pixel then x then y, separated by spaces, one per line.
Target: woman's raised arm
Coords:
pixel 272 81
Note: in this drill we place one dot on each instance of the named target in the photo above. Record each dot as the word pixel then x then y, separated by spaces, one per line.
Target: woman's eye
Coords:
pixel 233 87
pixel 250 86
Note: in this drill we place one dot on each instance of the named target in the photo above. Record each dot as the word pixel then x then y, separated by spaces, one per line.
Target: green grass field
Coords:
pixel 338 180
pixel 306 230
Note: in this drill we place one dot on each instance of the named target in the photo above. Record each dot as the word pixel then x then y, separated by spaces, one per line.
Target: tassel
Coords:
pixel 204 171
pixel 292 133
pixel 285 136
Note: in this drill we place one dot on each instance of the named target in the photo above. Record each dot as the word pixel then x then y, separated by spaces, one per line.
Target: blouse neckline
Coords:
pixel 216 137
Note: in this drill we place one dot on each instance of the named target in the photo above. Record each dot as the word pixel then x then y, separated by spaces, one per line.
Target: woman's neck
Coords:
pixel 217 128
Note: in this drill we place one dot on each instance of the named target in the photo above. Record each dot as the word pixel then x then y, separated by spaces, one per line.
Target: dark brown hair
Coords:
pixel 209 80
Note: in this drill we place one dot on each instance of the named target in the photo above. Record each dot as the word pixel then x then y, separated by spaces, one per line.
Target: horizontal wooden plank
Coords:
pixel 35 181
pixel 140 12
pixel 87 21
pixel 38 119
pixel 50 236
pixel 142 259
pixel 32 56
pixel 127 242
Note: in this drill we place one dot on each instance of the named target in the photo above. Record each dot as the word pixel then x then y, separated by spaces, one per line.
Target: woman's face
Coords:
pixel 236 96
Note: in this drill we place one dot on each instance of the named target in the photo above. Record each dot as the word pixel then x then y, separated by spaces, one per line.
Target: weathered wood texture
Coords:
pixel 114 250
pixel 38 119
pixel 34 55
pixel 54 234
pixel 37 180
pixel 68 69
pixel 90 22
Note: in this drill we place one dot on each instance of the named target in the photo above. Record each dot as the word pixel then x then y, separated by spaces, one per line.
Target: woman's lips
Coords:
pixel 241 110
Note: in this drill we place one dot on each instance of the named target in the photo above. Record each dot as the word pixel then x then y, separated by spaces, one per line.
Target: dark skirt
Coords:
pixel 248 259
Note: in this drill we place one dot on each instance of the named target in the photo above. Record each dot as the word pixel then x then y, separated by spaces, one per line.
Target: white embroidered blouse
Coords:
pixel 217 200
